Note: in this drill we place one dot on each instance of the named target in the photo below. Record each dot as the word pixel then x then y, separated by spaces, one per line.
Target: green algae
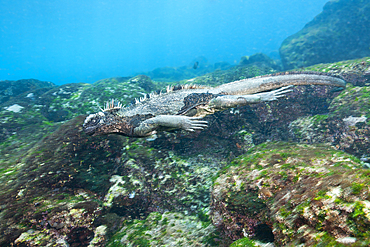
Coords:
pixel 357 188
pixel 75 211
pixel 341 65
pixel 282 166
pixel 276 152
pixel 161 229
pixel 245 242
pixel 354 101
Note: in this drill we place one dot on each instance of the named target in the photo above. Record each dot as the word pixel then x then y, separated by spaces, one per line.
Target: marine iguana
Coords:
pixel 183 107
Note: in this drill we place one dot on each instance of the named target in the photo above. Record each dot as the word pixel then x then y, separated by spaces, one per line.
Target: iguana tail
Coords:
pixel 269 82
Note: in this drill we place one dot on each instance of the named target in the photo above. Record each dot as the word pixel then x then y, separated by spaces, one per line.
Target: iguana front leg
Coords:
pixel 230 101
pixel 149 126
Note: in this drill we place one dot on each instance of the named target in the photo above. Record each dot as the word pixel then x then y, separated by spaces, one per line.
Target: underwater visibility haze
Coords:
pixel 87 40
pixel 184 123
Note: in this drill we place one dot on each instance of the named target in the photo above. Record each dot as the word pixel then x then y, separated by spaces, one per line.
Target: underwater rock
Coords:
pixel 155 180
pixel 340 32
pixel 126 178
pixel 197 67
pixel 293 194
pixel 259 58
pixel 346 126
pixel 55 186
pixel 355 72
pixel 222 66
pixel 10 89
pixel 167 74
pixel 67 227
pixel 167 229
pixel 44 109
pixel 57 183
pixel 144 82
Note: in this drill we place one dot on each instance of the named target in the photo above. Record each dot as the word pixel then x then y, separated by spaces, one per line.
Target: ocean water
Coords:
pixel 87 40
pixel 112 162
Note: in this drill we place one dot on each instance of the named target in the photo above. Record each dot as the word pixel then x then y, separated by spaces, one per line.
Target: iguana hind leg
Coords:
pixel 229 101
pixel 149 126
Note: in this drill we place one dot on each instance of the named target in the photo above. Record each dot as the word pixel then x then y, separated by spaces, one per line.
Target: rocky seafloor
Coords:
pixel 294 172
pixel 339 32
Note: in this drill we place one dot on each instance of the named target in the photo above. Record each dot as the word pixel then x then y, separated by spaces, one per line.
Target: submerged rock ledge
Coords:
pixel 294 194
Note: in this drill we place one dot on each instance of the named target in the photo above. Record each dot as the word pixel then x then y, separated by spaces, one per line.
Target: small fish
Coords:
pixel 152 138
pixel 336 89
pixel 131 195
pixel 195 66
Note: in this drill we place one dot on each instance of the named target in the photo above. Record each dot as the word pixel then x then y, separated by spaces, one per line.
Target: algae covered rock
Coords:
pixel 243 242
pixel 356 72
pixel 340 32
pixel 61 187
pixel 144 82
pixel 101 177
pixel 260 59
pixel 293 194
pixel 52 193
pixel 346 125
pixel 46 170
pixel 10 89
pixel 38 109
pixel 168 229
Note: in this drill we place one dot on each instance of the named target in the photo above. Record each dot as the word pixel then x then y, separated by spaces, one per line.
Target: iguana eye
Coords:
pixel 89 118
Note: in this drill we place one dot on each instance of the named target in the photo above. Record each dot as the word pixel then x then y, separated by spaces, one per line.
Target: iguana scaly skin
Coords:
pixel 183 107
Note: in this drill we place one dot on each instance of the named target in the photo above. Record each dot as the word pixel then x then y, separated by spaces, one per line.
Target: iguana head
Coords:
pixel 107 121
pixel 95 123
pixel 102 123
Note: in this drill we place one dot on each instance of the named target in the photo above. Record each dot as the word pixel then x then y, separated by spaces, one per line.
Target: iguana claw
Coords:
pixel 275 94
pixel 192 123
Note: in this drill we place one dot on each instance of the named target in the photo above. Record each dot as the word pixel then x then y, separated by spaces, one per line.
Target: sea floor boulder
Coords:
pixel 346 125
pixel 340 32
pixel 167 229
pixel 294 194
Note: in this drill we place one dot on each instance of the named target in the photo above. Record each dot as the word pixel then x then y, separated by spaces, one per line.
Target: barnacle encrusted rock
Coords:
pixel 296 193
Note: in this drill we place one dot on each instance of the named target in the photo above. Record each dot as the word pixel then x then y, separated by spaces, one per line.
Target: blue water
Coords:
pixel 67 41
